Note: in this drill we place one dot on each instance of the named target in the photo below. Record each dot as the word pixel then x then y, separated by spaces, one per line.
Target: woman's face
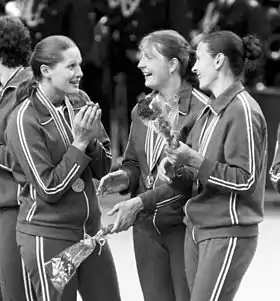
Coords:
pixel 65 76
pixel 155 68
pixel 204 67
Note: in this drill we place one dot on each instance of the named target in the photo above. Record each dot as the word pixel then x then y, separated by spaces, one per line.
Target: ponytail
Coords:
pixel 189 76
pixel 25 90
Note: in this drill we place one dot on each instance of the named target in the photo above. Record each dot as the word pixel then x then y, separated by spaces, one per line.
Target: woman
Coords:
pixel 15 49
pixel 166 61
pixel 274 171
pixel 225 158
pixel 58 145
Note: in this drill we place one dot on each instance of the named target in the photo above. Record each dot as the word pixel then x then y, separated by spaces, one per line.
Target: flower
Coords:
pixel 149 109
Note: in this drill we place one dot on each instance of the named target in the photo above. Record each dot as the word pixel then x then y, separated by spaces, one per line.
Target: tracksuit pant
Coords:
pixel 14 281
pixel 95 278
pixel 215 267
pixel 160 262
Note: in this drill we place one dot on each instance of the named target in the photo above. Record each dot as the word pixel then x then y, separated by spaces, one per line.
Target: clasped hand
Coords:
pixel 182 155
pixel 86 124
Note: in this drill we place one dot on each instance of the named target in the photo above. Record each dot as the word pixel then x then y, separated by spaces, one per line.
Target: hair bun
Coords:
pixel 252 47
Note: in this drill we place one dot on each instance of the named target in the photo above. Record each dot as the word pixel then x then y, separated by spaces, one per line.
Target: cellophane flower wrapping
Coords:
pixel 162 115
pixel 61 268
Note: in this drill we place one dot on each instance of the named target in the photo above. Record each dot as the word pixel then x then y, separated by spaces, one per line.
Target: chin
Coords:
pixel 150 85
pixel 73 90
pixel 203 86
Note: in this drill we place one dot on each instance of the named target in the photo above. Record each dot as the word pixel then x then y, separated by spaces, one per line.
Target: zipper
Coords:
pixel 185 209
pixel 154 221
pixel 87 215
pixel 32 209
pixel 193 235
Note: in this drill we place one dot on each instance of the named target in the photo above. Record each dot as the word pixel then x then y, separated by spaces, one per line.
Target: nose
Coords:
pixel 194 68
pixel 79 72
pixel 141 63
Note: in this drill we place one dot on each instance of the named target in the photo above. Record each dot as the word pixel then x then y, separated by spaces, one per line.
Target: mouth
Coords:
pixel 147 74
pixel 75 82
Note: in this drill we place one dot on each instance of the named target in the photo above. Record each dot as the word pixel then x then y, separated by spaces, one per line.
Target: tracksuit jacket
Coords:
pixel 162 203
pixel 8 186
pixel 229 187
pixel 274 171
pixel 45 168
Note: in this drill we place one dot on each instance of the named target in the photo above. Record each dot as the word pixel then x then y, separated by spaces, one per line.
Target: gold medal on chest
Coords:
pixel 149 182
pixel 78 185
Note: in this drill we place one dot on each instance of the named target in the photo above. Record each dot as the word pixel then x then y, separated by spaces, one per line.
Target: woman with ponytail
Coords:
pixel 155 209
pixel 15 49
pixel 58 146
pixel 225 158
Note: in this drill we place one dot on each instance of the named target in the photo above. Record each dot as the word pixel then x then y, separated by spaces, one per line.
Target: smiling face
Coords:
pixel 65 76
pixel 155 67
pixel 205 67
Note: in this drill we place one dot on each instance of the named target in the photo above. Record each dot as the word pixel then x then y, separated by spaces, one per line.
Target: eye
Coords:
pixel 71 66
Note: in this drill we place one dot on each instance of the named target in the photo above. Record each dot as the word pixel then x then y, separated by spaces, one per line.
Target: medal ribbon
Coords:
pixel 57 118
pixel 153 152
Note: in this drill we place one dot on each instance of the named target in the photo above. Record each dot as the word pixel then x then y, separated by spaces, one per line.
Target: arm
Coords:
pixel 164 192
pixel 244 153
pixel 29 150
pixel 5 158
pixel 99 150
pixel 130 163
pixel 274 171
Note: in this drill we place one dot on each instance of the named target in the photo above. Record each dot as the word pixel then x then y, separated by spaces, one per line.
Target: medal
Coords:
pixel 149 181
pixel 78 185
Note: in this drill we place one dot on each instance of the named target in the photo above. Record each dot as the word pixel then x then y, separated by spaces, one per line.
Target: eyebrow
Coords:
pixel 74 62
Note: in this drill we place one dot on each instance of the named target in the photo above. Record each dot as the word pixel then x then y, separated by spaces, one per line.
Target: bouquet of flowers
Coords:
pixel 63 266
pixel 150 109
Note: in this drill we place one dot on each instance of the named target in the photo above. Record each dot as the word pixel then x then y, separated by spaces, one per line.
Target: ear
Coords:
pixel 45 71
pixel 174 65
pixel 219 60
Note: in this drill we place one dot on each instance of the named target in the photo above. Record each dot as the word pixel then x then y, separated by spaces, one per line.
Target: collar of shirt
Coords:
pixel 222 101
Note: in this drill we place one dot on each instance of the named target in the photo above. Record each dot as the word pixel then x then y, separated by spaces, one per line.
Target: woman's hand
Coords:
pixel 113 182
pixel 184 155
pixel 163 169
pixel 87 124
pixel 126 214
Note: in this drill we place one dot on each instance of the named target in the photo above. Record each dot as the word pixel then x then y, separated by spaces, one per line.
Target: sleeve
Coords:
pixel 5 158
pixel 130 162
pixel 274 171
pixel 244 153
pixel 29 150
pixel 164 193
pixel 99 151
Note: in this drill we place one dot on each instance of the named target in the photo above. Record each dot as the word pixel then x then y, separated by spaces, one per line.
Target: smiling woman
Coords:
pixel 59 145
pixel 156 210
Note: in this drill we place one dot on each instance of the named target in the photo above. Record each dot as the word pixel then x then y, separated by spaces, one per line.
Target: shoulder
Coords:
pixel 199 97
pixel 246 107
pixel 198 101
pixel 22 116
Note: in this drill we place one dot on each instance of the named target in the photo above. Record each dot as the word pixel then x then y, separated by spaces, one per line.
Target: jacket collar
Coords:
pixel 222 101
pixel 42 105
pixel 39 101
pixel 19 76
